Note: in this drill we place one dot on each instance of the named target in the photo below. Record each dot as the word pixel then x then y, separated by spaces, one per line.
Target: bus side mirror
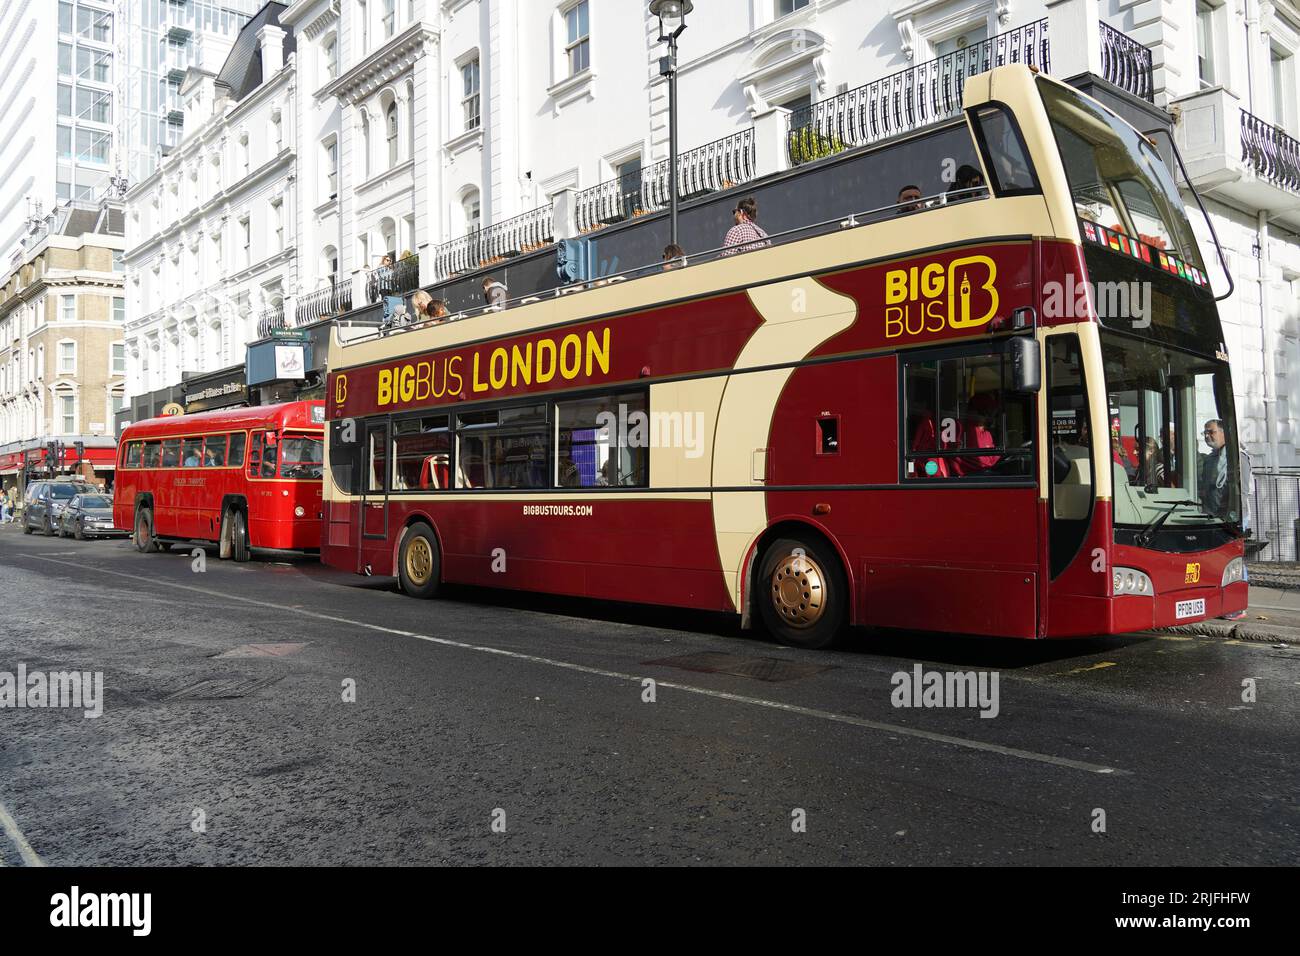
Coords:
pixel 1026 364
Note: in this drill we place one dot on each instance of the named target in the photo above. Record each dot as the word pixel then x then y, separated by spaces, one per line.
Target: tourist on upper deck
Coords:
pixel 494 293
pixel 674 256
pixel 909 200
pixel 746 235
pixel 436 310
pixel 969 180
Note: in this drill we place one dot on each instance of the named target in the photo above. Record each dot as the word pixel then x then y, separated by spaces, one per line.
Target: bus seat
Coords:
pixel 1072 497
pixel 436 472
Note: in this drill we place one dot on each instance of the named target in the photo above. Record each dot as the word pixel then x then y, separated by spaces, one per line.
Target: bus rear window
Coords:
pixel 236 458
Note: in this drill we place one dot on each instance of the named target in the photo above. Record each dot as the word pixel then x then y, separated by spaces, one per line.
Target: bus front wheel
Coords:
pixel 802 594
pixel 418 564
pixel 144 540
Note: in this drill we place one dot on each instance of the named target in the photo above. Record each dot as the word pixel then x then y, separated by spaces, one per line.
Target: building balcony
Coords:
pixel 1237 157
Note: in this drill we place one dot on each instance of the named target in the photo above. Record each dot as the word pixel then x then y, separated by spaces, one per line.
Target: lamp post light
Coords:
pixel 672 21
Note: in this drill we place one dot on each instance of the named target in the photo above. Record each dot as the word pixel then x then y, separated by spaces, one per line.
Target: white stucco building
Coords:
pixel 212 233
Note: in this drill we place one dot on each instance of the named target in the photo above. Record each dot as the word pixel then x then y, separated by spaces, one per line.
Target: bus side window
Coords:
pixel 236 458
pixel 255 455
pixel 214 451
pixel 171 452
pixel 133 454
pixel 152 454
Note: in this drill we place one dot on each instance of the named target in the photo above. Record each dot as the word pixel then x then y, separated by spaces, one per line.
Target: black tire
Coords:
pixel 46 528
pixel 419 563
pixel 79 532
pixel 27 528
pixel 143 538
pixel 802 592
pixel 239 549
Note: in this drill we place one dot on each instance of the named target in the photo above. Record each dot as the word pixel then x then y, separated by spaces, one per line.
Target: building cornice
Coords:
pixel 384 65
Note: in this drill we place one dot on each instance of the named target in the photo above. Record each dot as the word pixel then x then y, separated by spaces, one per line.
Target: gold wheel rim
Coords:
pixel 419 561
pixel 798 590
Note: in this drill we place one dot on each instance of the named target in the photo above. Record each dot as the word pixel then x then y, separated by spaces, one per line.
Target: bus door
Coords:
pixel 374 484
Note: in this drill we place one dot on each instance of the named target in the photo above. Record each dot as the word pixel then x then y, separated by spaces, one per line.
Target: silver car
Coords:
pixel 88 516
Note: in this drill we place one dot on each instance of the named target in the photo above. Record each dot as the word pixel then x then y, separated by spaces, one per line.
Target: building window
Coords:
pixel 786 7
pixel 331 147
pixel 39 366
pixel 93 146
pixel 277 223
pixel 389 17
pixel 1282 65
pixel 65 100
pixel 65 17
pixel 64 143
pixel 363 21
pixel 65 59
pixel 119 308
pixel 67 414
pixel 118 366
pixel 578 46
pixel 1205 42
pixel 277 131
pixel 94 105
pixel 93 24
pixel 391 122
pixel 246 241
pixel 93 65
pixel 67 308
pixel 469 74
pixel 365 145
pixel 473 211
pixel 330 51
pixel 67 358
pixel 119 260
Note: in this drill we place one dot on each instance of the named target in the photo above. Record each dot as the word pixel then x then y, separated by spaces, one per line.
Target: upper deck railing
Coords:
pixel 1271 153
pixel 852 221
pixel 909 99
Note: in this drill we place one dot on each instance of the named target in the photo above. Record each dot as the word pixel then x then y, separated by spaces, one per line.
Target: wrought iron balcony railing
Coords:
pixel 512 237
pixel 270 322
pixel 334 299
pixel 713 167
pixel 1126 63
pixel 1271 153
pixel 909 99
pixel 401 277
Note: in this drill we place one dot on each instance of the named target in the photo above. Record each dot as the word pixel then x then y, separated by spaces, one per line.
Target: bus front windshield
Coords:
pixel 301 457
pixel 1173 437
pixel 1116 179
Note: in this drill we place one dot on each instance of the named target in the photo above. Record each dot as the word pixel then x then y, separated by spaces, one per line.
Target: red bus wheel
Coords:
pixel 144 540
pixel 238 524
pixel 801 592
pixel 418 564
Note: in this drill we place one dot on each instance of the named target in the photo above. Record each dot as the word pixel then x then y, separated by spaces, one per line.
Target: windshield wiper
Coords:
pixel 1155 524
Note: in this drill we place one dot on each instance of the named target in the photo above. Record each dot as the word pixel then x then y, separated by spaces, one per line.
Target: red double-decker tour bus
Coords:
pixel 937 415
pixel 244 478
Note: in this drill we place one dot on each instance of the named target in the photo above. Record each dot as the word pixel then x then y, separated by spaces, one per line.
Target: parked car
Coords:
pixel 45 501
pixel 89 515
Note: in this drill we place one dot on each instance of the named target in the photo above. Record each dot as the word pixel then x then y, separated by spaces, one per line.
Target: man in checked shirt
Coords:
pixel 746 235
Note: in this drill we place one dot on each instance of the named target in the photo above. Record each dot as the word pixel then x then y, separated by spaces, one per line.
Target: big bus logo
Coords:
pixel 340 389
pixel 933 297
pixel 1193 573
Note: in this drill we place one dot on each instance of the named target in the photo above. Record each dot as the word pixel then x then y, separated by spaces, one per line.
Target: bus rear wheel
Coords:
pixel 418 564
pixel 143 538
pixel 802 594
pixel 234 536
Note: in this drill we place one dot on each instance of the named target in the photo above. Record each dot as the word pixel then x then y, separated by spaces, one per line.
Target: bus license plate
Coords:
pixel 1189 608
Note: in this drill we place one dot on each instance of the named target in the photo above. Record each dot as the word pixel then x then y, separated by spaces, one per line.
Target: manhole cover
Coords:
pixel 283 649
pixel 770 669
pixel 222 688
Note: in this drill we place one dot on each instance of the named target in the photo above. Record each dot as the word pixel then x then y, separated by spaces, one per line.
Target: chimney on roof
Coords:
pixel 270 39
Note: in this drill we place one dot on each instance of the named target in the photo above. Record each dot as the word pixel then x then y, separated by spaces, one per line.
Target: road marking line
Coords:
pixel 636 678
pixel 10 826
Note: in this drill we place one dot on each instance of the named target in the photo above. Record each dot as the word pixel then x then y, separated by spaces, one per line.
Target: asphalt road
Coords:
pixel 490 727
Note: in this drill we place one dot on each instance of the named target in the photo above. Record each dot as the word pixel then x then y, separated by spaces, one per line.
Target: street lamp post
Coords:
pixel 672 21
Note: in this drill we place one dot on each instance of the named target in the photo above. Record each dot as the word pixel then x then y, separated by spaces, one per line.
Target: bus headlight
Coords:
pixel 299 511
pixel 1234 572
pixel 1131 581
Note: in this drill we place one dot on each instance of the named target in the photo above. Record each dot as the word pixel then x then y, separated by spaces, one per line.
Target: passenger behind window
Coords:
pixel 909 200
pixel 981 412
pixel 969 184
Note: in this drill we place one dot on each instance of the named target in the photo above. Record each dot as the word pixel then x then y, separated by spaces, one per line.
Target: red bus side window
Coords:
pixel 214 451
pixel 151 456
pixel 171 452
pixel 255 455
pixel 133 454
pixel 236 458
